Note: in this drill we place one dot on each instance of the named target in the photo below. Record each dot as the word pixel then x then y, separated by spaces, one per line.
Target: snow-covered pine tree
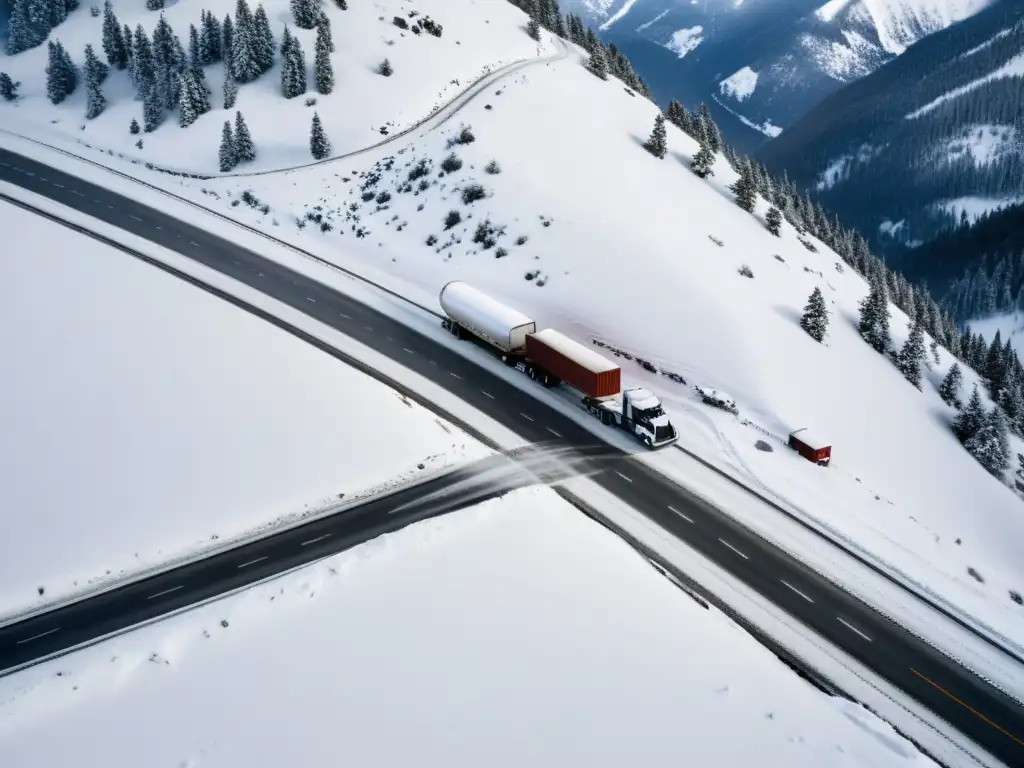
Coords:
pixel 1018 475
pixel 114 47
pixel 949 389
pixel 995 366
pixel 245 149
pixel 133 127
pixel 230 89
pixel 305 13
pixel 874 318
pixel 970 419
pixel 95 73
pixel 20 32
pixel 674 114
pixel 714 136
pixel 129 48
pixel 815 318
pixel 293 67
pixel 190 99
pixel 264 38
pixel 60 76
pixel 598 64
pixel 323 72
pixel 773 219
pixel 1012 403
pixel 385 68
pixel 227 41
pixel 746 195
pixel 8 87
pixel 560 28
pixel 533 27
pixel 319 146
pixel 657 144
pixel 141 62
pixel 210 39
pixel 154 5
pixel 990 445
pixel 195 53
pixel 143 69
pixel 228 158
pixel 703 162
pixel 913 354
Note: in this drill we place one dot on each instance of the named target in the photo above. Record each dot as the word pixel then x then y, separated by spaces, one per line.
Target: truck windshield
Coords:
pixel 652 413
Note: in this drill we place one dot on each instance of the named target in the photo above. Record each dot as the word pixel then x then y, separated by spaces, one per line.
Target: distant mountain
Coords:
pixel 927 143
pixel 980 266
pixel 762 64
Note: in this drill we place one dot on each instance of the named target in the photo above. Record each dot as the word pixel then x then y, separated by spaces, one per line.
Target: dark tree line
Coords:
pixel 31 21
pixel 604 59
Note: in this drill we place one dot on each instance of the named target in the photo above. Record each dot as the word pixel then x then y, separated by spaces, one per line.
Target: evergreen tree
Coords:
pixel 114 45
pixel 323 72
pixel 774 221
pixel 675 114
pixel 210 39
pixel 949 389
pixel 995 366
pixel 195 53
pixel 191 100
pixel 714 136
pixel 874 317
pixel 657 144
pixel 319 146
pixel 61 77
pixel 264 38
pixel 154 5
pixel 8 88
pixel 533 28
pixel 305 13
pixel 293 66
pixel 95 73
pixel 1012 403
pixel 560 28
pixel 22 33
pixel 230 89
pixel 129 48
pixel 970 419
pixel 385 68
pixel 912 355
pixel 245 51
pixel 1018 476
pixel 704 161
pixel 744 189
pixel 815 317
pixel 227 42
pixel 133 128
pixel 245 150
pixel 990 445
pixel 228 158
pixel 598 64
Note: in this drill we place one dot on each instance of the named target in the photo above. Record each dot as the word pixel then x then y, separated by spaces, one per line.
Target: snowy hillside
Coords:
pixel 651 261
pixel 800 51
pixel 514 633
pixel 189 425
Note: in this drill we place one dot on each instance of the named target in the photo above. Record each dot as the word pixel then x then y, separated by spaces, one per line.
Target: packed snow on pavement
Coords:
pixel 145 419
pixel 514 632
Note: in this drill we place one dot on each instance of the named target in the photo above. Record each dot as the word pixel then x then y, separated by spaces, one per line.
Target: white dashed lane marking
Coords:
pixel 687 519
pixel 805 597
pixel 850 626
pixel 36 637
pixel 253 562
pixel 730 546
pixel 165 592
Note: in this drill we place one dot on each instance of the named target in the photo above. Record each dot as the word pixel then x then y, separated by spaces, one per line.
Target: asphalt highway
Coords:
pixel 109 612
pixel 966 702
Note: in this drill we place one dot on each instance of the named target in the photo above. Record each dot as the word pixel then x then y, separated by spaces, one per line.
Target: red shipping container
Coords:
pixel 573 363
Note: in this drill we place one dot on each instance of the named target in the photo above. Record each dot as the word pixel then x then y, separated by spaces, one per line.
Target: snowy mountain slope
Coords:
pixel 801 50
pixel 522 612
pixel 651 268
pixel 225 427
pixel 932 137
pixel 363 36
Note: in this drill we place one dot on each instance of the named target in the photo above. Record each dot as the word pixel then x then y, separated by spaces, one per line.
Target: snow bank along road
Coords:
pixel 970 704
pixel 73 625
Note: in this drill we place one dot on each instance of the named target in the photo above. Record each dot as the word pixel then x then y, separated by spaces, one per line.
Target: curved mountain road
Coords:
pixel 971 705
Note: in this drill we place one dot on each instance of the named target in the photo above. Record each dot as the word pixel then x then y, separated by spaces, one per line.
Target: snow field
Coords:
pixel 145 419
pixel 627 252
pixel 740 84
pixel 428 71
pixel 520 604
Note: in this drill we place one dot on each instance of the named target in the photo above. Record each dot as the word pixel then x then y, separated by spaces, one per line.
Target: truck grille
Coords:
pixel 663 433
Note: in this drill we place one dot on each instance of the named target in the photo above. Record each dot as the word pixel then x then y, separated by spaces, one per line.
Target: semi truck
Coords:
pixel 551 358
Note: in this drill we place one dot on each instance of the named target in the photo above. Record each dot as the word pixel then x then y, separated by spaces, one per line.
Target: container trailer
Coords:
pixel 552 358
